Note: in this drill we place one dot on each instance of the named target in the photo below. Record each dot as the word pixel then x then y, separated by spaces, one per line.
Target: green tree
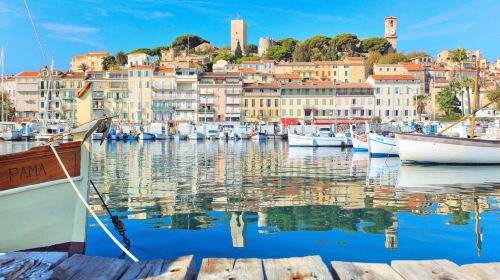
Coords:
pixel 448 102
pixel 301 53
pixel 157 51
pixel 372 59
pixel 459 56
pixel 7 105
pixel 494 95
pixel 277 53
pixel 107 62
pixel 251 49
pixel 375 44
pixel 208 67
pixel 83 67
pixel 289 44
pixel 248 58
pixel 140 50
pixel 121 58
pixel 318 41
pixel 237 52
pixel 182 42
pixel 345 42
pixel 392 58
pixel 420 101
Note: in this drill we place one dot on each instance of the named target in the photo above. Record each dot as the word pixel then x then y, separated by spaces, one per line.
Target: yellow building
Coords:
pixel 140 94
pixel 261 102
pixel 93 61
pixel 69 85
pixel 305 70
pixel 349 70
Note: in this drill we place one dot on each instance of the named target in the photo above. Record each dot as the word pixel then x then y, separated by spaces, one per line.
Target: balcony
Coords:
pixel 203 110
pixel 98 95
pixel 233 110
pixel 233 101
pixel 163 108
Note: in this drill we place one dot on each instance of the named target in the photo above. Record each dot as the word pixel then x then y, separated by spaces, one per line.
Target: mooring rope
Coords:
pixel 83 200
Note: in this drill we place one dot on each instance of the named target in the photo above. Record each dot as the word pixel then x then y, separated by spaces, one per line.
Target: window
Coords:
pixel 138 73
pixel 387 113
pixel 291 101
pixel 323 102
pixel 388 102
pixel 346 112
pixel 299 101
pixel 42 105
pixel 345 73
pixel 253 102
pixel 268 103
pixel 396 90
pixel 315 101
pixel 261 102
pixel 291 113
pixel 283 101
pixel 276 103
pixel 245 102
pixel 378 90
pixel 307 101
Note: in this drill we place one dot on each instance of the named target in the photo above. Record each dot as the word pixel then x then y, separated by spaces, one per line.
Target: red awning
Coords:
pixel 289 121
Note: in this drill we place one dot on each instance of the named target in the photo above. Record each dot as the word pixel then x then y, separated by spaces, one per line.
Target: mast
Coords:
pixel 474 103
pixel 2 87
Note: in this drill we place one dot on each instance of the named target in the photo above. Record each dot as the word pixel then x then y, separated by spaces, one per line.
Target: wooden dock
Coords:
pixel 53 265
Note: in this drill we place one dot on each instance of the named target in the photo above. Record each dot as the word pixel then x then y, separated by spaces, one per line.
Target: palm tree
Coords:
pixel 83 67
pixel 468 83
pixel 420 101
pixel 459 56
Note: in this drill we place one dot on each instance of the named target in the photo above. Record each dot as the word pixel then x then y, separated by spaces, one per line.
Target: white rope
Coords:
pixel 90 210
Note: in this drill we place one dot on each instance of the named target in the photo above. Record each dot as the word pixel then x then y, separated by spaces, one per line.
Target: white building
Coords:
pixel 186 97
pixel 138 59
pixel 394 95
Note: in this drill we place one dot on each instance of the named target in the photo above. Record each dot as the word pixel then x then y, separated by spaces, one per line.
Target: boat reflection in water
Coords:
pixel 247 199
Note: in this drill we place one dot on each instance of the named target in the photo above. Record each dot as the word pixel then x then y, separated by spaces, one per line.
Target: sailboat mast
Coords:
pixel 474 102
pixel 2 88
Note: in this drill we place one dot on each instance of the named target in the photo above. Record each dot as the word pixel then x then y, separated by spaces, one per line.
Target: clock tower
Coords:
pixel 390 31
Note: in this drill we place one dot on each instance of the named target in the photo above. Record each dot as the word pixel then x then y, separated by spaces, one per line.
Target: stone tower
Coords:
pixel 238 34
pixel 390 31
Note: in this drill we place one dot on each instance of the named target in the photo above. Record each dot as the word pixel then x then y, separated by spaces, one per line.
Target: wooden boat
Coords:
pixel 381 146
pixel 330 141
pixel 449 150
pixel 40 210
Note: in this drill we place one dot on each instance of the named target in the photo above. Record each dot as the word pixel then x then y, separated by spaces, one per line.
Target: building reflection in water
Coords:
pixel 287 189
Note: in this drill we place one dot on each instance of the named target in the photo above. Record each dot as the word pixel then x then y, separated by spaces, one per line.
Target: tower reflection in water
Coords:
pixel 275 188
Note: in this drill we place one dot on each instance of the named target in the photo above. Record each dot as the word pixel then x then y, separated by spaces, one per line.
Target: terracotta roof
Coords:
pixel 73 75
pixel 28 74
pixel 78 56
pixel 393 77
pixel 97 53
pixel 353 85
pixel 247 70
pixel 309 84
pixel 220 75
pixel 141 67
pixel 441 81
pixel 490 84
pixel 412 66
pixel 440 68
pixel 325 62
pixel 285 63
pixel 262 85
pixel 252 62
pixel 355 58
pixel 286 76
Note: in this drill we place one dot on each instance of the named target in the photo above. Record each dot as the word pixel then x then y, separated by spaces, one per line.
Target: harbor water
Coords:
pixel 241 199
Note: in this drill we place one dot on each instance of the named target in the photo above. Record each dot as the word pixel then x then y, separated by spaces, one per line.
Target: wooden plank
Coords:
pixel 90 267
pixel 178 268
pixel 483 271
pixel 311 267
pixel 431 269
pixel 144 269
pixel 24 269
pixel 221 268
pixel 52 258
pixel 355 270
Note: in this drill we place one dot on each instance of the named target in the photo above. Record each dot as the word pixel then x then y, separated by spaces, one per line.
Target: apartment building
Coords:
pixel 93 61
pixel 50 99
pixel 219 97
pixel 325 102
pixel 260 66
pixel 138 59
pixel 140 80
pixel 261 102
pixel 250 75
pixel 349 70
pixel 27 100
pixel 394 95
pixel 164 90
pixel 69 85
pixel 306 70
pixel 186 98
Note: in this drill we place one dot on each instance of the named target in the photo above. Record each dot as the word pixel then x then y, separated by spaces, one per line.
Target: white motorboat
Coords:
pixel 8 131
pixel 28 130
pixel 359 141
pixel 49 132
pixel 297 140
pixel 97 136
pixel 447 150
pixel 40 210
pixel 196 136
pixel 213 134
pixel 158 131
pixel 329 141
pixel 146 136
pixel 243 132
pixel 382 146
pixel 259 136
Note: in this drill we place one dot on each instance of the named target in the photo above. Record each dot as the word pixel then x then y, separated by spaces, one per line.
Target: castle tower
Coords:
pixel 238 34
pixel 390 31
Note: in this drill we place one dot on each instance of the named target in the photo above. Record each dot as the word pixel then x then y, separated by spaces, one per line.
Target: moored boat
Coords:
pixel 447 150
pixel 146 136
pixel 297 140
pixel 359 141
pixel 40 210
pixel 259 136
pixel 8 132
pixel 196 136
pixel 381 146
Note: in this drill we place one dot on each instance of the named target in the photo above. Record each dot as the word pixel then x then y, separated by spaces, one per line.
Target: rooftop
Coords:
pixel 28 74
pixel 393 77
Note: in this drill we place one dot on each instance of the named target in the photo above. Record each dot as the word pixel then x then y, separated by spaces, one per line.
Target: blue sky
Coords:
pixel 74 27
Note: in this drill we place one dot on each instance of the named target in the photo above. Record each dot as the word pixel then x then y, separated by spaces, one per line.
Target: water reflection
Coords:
pixel 245 199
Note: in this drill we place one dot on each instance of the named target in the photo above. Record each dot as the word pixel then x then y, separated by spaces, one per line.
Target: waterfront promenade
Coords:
pixel 56 265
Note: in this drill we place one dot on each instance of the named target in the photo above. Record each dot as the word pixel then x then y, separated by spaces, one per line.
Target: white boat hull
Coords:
pixel 259 137
pixel 380 146
pixel 295 140
pixel 447 150
pixel 46 216
pixel 146 136
pixel 196 136
pixel 359 143
pixel 10 135
pixel 322 141
pixel 160 136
